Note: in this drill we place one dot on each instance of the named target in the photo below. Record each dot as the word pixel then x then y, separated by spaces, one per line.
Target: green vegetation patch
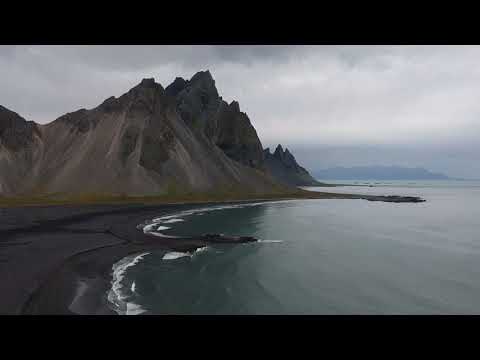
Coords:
pixel 224 195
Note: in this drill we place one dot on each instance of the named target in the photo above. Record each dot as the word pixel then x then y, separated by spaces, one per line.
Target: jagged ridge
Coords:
pixel 285 169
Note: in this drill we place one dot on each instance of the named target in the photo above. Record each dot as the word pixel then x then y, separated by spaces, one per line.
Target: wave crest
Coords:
pixel 117 296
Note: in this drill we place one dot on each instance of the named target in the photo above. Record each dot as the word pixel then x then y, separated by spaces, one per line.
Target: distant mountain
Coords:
pixel 378 173
pixel 182 139
pixel 285 169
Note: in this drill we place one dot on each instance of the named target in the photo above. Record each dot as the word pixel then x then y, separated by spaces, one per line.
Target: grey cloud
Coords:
pixel 332 95
pixel 135 57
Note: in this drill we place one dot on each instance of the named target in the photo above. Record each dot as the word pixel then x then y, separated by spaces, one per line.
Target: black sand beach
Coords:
pixel 47 253
pixel 58 259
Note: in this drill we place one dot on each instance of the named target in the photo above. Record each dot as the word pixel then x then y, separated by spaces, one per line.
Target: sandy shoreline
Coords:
pixel 58 260
pixel 48 253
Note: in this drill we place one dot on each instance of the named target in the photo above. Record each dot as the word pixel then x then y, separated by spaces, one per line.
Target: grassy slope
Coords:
pixel 87 199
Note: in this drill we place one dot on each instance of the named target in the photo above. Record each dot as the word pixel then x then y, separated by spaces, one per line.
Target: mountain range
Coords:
pixel 149 141
pixel 378 173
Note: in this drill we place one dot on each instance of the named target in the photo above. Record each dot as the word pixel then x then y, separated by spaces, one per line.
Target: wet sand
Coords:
pixel 58 259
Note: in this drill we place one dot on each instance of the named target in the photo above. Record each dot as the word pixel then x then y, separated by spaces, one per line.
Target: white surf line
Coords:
pixel 116 296
pixel 148 226
pixel 173 255
pixel 163 228
pixel 154 233
pixel 171 221
pixel 134 309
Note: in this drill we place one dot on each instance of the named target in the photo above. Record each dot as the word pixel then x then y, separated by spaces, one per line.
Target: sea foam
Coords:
pixel 134 309
pixel 171 221
pixel 172 255
pixel 163 228
pixel 150 227
pixel 116 295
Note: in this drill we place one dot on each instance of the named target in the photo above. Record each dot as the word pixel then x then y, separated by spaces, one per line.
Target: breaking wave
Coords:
pixel 155 225
pixel 117 296
pixel 172 255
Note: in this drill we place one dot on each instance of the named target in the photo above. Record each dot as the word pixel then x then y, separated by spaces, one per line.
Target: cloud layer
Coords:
pixel 422 97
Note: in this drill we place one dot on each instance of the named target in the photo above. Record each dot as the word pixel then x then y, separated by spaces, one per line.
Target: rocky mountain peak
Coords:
pixel 147 85
pixel 290 160
pixel 202 76
pixel 147 96
pixel 200 107
pixel 278 153
pixel 148 82
pixel 284 155
pixel 235 106
pixel 176 86
pixel 7 115
pixel 15 131
pixel 203 81
pixel 288 156
pixel 142 98
pixel 110 104
pixel 284 167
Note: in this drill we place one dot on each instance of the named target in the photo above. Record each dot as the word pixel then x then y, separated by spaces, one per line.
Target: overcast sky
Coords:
pixel 332 105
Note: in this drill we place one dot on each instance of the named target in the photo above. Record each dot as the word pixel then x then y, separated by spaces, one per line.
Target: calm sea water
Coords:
pixel 319 257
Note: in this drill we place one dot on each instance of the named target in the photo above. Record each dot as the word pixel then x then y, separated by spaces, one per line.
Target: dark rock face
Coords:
pixel 223 124
pixel 19 143
pixel 198 101
pixel 285 169
pixel 79 120
pixel 129 142
pixel 236 136
pixel 16 133
pixel 157 141
pixel 174 88
pixel 110 105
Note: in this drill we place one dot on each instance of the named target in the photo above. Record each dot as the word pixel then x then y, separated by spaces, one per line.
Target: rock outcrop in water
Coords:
pixel 285 169
pixel 149 141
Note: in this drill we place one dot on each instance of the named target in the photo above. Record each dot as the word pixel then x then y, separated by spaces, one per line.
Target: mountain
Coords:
pixel 285 169
pixel 149 141
pixel 378 173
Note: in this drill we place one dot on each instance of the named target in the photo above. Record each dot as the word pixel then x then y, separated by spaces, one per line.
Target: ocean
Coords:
pixel 339 256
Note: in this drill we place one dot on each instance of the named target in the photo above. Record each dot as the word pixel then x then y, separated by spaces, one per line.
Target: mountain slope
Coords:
pixel 20 147
pixel 149 141
pixel 285 169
